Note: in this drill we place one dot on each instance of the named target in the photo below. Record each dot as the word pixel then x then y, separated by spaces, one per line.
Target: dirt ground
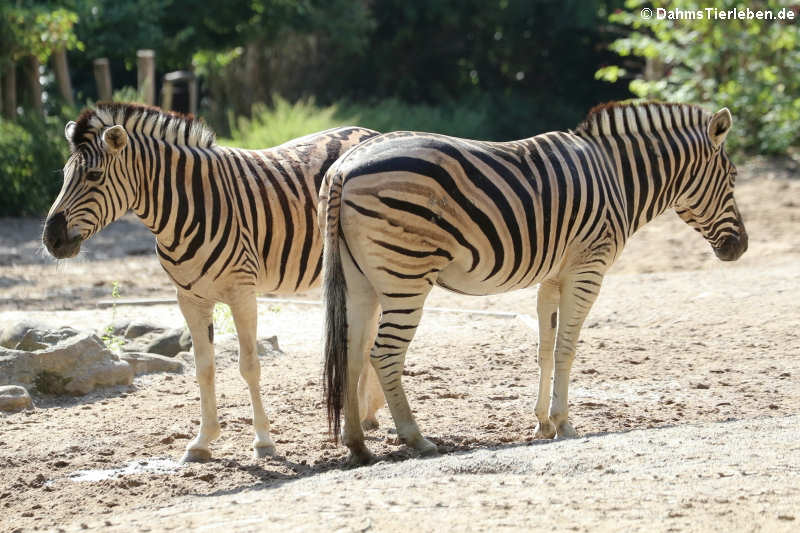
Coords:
pixel 685 392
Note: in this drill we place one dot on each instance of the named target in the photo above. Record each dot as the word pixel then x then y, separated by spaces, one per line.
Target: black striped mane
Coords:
pixel 649 116
pixel 143 120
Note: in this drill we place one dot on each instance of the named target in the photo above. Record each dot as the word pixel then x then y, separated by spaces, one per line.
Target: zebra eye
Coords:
pixel 94 175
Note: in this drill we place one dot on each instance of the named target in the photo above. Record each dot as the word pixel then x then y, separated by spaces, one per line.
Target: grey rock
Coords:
pixel 14 333
pixel 14 398
pixel 170 343
pixel 37 339
pixel 76 365
pixel 117 327
pixel 147 363
pixel 137 329
pixel 229 345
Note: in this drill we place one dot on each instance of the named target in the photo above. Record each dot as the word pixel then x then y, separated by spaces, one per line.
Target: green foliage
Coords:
pixel 750 66
pixel 223 319
pixel 27 29
pixel 271 126
pixel 113 342
pixel 32 152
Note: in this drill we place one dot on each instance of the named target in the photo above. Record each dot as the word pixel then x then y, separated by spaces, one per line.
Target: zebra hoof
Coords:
pixel 364 458
pixel 545 430
pixel 261 452
pixel 196 455
pixel 428 449
pixel 566 431
pixel 369 424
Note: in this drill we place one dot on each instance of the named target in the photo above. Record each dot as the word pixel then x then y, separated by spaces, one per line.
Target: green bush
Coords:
pixel 32 154
pixel 749 66
pixel 283 121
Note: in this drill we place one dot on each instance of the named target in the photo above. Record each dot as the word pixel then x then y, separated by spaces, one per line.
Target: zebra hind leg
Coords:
pixel 399 320
pixel 362 313
pixel 370 393
pixel 198 315
pixel 244 309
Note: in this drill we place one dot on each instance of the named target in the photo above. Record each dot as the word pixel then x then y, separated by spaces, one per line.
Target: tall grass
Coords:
pixel 281 121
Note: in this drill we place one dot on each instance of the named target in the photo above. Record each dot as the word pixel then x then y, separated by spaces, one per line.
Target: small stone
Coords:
pixel 700 386
pixel 146 363
pixel 170 343
pixel 14 398
pixel 137 329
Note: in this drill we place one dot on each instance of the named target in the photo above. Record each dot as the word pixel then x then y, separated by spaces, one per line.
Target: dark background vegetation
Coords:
pixel 270 70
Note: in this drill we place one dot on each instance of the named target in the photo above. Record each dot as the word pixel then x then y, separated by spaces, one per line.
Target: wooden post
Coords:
pixel 146 76
pixel 166 95
pixel 34 86
pixel 10 91
pixel 193 95
pixel 102 77
pixel 62 75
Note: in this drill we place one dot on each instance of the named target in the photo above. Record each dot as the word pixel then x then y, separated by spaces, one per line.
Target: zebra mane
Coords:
pixel 142 119
pixel 633 117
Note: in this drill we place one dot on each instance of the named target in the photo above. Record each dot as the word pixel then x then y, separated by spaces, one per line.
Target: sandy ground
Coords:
pixel 685 391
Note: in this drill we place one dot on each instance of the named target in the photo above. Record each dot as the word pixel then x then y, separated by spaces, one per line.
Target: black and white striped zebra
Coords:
pixel 406 211
pixel 228 223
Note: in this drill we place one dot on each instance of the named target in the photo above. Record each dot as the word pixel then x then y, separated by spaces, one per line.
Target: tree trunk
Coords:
pixel 251 73
pixel 10 91
pixel 62 75
pixel 34 85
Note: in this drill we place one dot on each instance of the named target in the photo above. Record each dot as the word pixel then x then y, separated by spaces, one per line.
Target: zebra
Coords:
pixel 228 223
pixel 405 211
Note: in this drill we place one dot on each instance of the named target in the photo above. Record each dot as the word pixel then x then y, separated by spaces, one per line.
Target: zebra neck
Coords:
pixel 648 170
pixel 174 185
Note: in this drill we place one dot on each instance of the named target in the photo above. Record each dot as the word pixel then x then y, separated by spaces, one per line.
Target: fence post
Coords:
pixel 62 75
pixel 102 77
pixel 10 90
pixel 34 85
pixel 146 75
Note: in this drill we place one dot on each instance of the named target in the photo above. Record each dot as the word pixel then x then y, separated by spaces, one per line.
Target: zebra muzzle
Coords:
pixel 732 247
pixel 57 240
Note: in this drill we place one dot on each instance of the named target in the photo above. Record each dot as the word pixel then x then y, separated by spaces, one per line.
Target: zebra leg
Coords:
pixel 577 297
pixel 547 312
pixel 198 315
pixel 398 324
pixel 244 309
pixel 370 393
pixel 362 312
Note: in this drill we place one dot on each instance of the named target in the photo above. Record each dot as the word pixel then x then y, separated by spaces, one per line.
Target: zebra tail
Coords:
pixel 334 293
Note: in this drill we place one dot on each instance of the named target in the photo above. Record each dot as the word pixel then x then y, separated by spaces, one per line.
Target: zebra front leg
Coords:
pixel 577 296
pixel 244 309
pixel 198 315
pixel 547 313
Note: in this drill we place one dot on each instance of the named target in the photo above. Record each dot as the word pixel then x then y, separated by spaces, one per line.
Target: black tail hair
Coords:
pixel 334 290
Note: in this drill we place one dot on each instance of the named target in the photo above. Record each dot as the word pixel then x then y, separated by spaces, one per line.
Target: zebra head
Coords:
pixel 707 203
pixel 95 190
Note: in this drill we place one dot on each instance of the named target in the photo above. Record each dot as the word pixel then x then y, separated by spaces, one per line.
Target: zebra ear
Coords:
pixel 719 127
pixel 69 129
pixel 115 138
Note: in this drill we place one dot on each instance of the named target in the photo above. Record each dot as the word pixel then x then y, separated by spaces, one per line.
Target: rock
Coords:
pixel 187 357
pixel 14 398
pixel 146 363
pixel 117 327
pixel 37 339
pixel 186 339
pixel 170 343
pixel 137 329
pixel 229 345
pixel 76 365
pixel 14 333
